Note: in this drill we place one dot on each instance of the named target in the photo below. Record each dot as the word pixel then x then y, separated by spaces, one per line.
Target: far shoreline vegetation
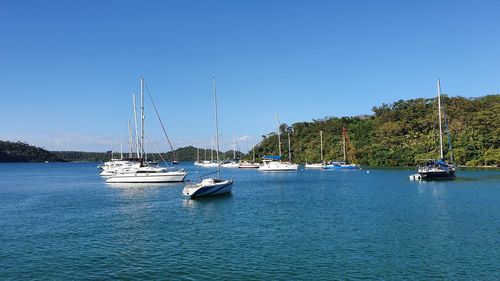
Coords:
pixel 395 134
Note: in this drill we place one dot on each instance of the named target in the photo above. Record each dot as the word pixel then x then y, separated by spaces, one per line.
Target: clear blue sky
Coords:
pixel 68 68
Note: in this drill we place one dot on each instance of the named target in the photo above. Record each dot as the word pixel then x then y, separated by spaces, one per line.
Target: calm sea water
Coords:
pixel 60 221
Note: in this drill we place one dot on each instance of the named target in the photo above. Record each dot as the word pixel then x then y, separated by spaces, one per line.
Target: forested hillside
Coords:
pixel 396 134
pixel 400 133
pixel 23 152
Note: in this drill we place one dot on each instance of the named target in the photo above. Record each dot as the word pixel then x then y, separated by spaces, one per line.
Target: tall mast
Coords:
pixel 137 148
pixel 142 119
pixel 289 148
pixel 279 138
pixel 121 147
pixel 439 114
pixel 253 153
pixel 234 147
pixel 321 141
pixel 216 127
pixel 130 139
pixel 212 149
pixel 198 154
pixel 343 143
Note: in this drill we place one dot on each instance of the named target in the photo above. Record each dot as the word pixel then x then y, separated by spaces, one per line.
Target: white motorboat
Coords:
pixel 210 186
pixel 274 164
pixel 142 172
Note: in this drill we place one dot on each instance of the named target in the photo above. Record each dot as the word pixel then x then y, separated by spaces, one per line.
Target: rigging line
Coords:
pixel 161 122
pixel 157 150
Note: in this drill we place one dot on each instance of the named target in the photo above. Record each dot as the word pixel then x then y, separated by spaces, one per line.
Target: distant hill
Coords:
pixel 188 153
pixel 23 152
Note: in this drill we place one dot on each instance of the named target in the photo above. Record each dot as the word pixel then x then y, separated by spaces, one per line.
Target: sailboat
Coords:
pixel 233 163
pixel 274 163
pixel 342 164
pixel 197 162
pixel 213 185
pixel 431 169
pixel 248 164
pixel 209 163
pixel 143 172
pixel 318 165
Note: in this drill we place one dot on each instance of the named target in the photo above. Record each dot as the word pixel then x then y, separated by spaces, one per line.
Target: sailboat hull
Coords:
pixel 215 187
pixel 314 166
pixel 437 175
pixel 278 167
pixel 147 177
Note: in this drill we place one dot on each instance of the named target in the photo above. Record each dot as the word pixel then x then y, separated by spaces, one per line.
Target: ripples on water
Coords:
pixel 61 221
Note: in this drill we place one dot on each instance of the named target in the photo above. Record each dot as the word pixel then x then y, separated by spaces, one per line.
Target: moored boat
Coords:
pixel 142 171
pixel 214 185
pixel 432 169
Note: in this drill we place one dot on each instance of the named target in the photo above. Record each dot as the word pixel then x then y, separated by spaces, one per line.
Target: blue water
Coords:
pixel 60 221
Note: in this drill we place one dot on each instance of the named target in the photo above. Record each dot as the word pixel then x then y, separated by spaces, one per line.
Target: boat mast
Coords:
pixel 253 153
pixel 343 144
pixel 279 138
pixel 142 120
pixel 212 149
pixel 216 128
pixel 121 147
pixel 137 148
pixel 439 115
pixel 234 147
pixel 321 141
pixel 130 139
pixel 289 148
pixel 198 154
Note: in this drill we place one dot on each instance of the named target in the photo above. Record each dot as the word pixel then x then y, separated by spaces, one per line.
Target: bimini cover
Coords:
pixel 272 157
pixel 441 162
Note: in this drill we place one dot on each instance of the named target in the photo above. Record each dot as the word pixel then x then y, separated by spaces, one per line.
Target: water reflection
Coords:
pixel 141 185
pixel 210 201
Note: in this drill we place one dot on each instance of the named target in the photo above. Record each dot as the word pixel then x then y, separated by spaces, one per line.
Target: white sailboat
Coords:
pixel 248 164
pixel 233 163
pixel 209 163
pixel 142 172
pixel 114 166
pixel 211 186
pixel 318 165
pixel 274 163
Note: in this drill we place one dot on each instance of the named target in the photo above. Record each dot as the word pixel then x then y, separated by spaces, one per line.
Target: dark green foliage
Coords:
pixel 23 152
pixel 80 156
pixel 400 133
pixel 189 153
pixel 395 135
